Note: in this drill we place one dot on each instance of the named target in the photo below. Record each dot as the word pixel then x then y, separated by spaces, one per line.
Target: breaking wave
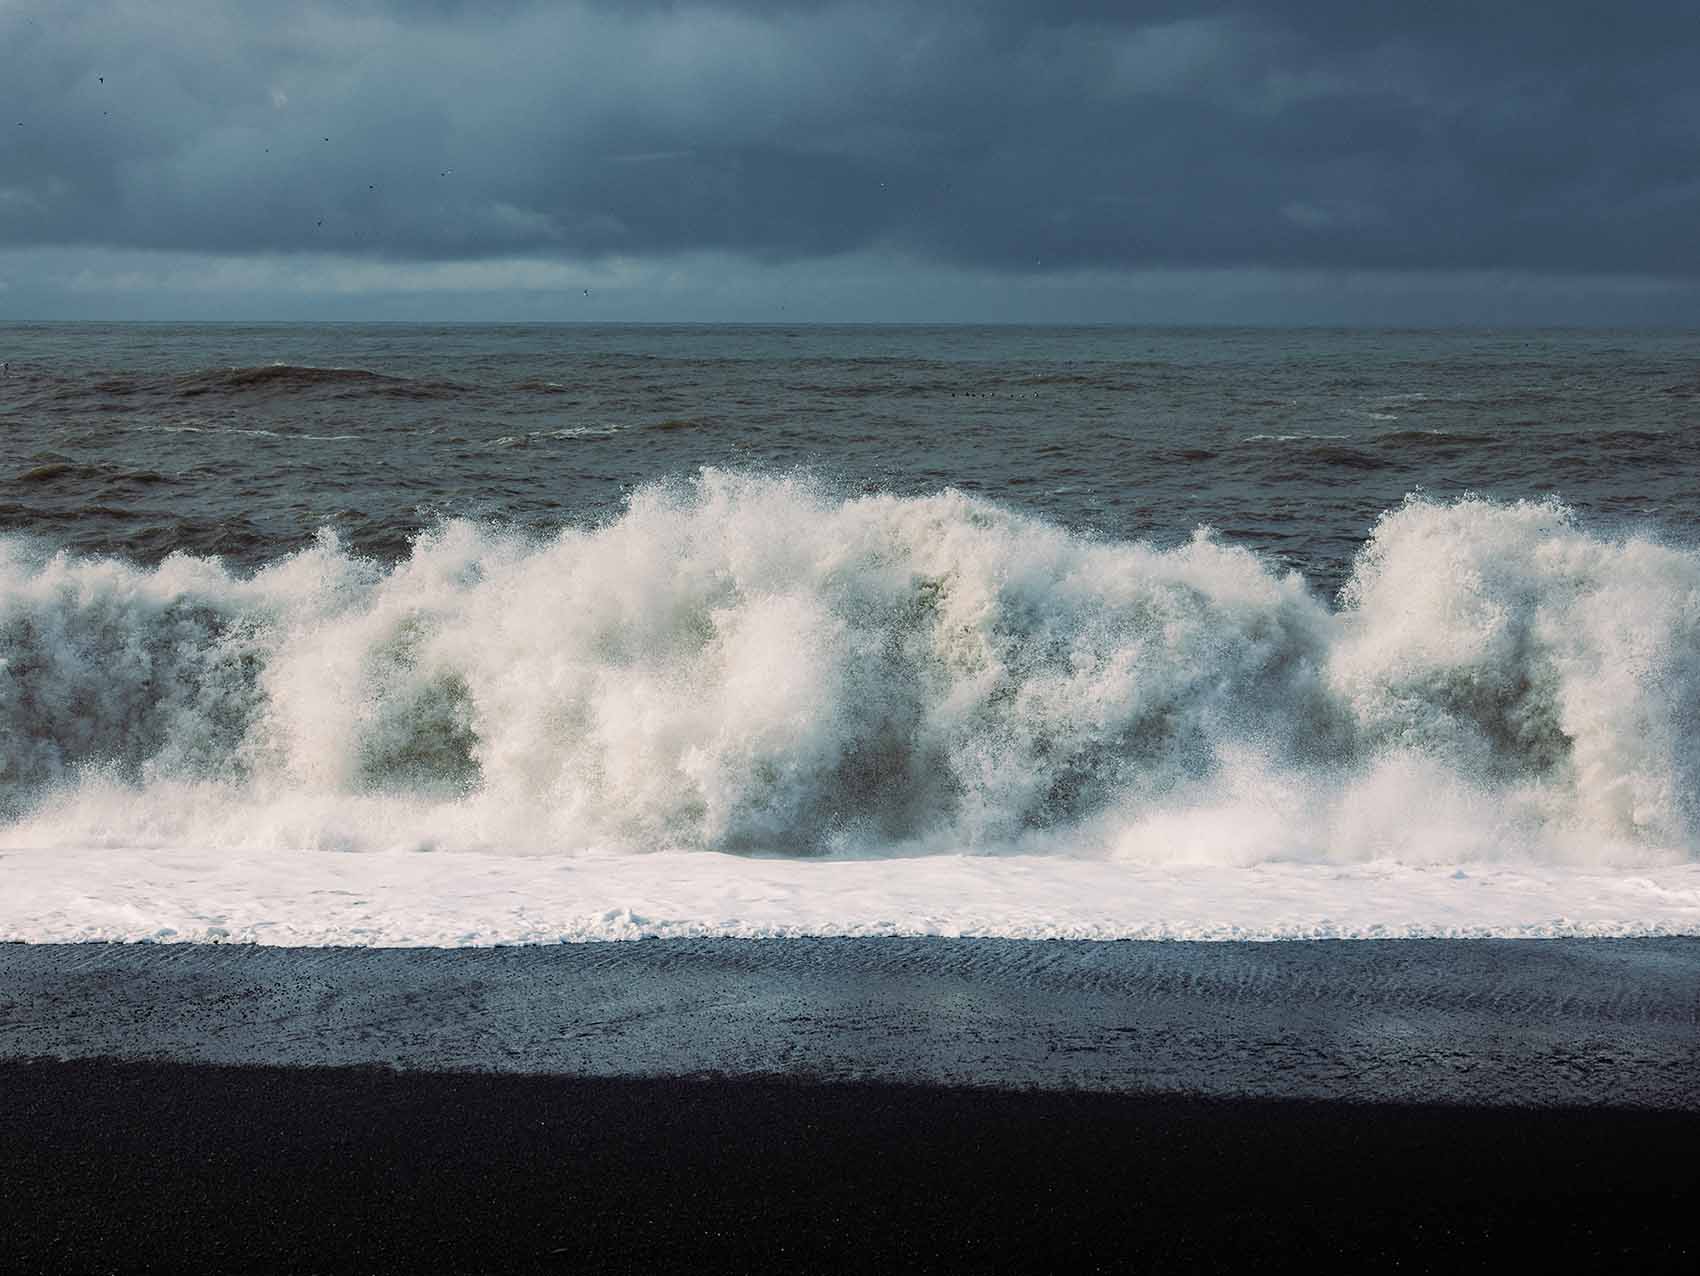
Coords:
pixel 754 663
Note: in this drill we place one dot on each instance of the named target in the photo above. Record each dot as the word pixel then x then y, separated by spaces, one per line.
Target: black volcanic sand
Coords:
pixel 133 1166
pixel 846 1103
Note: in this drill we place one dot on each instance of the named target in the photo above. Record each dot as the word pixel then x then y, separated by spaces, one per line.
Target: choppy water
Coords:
pixel 244 441
pixel 867 592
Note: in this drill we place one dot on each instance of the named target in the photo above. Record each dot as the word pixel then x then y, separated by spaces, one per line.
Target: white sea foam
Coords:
pixel 754 665
pixel 1295 438
pixel 455 899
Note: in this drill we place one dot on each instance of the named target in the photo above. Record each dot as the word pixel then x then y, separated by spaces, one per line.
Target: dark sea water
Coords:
pixel 243 441
pixel 879 591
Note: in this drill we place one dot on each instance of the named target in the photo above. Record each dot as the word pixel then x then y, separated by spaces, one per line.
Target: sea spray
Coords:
pixel 755 663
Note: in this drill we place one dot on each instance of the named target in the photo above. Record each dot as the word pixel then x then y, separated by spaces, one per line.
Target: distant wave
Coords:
pixel 755 664
pixel 302 436
pixel 1295 438
pixel 602 430
pixel 268 379
pixel 1350 458
pixel 59 471
pixel 273 378
pixel 62 471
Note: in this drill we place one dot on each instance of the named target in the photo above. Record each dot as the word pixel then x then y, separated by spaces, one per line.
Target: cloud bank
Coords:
pixel 1099 144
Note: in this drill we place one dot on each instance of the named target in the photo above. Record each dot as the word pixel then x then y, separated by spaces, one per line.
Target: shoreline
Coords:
pixel 454 899
pixel 1522 1023
pixel 841 1104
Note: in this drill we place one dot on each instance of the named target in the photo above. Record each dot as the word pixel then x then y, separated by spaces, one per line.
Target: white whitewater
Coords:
pixel 452 899
pixel 749 706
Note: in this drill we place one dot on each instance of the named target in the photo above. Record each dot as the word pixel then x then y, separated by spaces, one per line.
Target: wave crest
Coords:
pixel 752 663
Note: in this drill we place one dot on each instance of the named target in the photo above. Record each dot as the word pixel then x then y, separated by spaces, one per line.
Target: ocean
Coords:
pixel 402 635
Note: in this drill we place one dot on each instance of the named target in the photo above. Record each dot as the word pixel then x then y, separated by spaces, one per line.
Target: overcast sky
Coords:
pixel 1046 160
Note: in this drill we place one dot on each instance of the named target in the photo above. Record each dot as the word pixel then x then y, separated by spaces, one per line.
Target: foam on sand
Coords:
pixel 453 899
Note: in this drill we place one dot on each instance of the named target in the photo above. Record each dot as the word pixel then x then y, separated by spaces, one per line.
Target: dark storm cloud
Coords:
pixel 1560 136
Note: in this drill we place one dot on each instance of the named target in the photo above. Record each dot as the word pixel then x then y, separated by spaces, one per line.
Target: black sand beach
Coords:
pixel 153 1166
pixel 923 1103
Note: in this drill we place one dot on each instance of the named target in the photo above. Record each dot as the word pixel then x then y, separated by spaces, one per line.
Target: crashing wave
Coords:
pixel 754 663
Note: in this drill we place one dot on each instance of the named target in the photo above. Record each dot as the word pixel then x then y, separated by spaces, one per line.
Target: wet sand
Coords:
pixel 932 1103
